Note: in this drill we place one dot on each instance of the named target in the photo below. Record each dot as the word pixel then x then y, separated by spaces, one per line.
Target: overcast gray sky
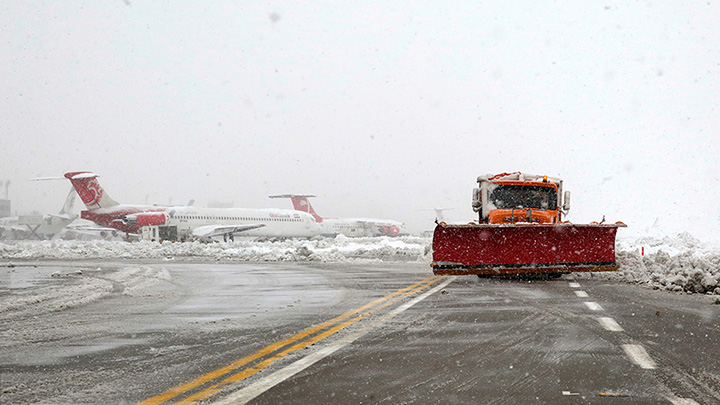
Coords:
pixel 380 108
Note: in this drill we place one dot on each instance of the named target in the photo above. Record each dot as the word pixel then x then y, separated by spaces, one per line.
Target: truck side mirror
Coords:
pixel 476 200
pixel 566 201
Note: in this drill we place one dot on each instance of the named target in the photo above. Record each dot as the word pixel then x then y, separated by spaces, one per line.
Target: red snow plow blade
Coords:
pixel 489 249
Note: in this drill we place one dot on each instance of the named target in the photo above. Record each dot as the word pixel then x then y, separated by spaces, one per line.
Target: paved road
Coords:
pixel 356 333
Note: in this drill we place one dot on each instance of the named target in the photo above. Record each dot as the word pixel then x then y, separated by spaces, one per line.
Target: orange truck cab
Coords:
pixel 517 198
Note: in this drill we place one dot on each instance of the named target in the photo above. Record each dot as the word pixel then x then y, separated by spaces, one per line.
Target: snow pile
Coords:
pixel 135 280
pixel 681 263
pixel 78 288
pixel 338 249
pixel 48 298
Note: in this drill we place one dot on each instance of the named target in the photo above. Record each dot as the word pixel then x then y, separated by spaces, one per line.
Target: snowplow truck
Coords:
pixel 520 230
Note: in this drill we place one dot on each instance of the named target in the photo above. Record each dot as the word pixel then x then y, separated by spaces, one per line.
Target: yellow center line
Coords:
pixel 214 389
pixel 184 388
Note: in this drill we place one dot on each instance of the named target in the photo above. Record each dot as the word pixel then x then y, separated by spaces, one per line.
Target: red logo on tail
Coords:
pixel 93 192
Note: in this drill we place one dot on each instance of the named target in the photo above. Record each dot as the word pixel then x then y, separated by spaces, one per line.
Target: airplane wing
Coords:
pixel 101 230
pixel 92 228
pixel 208 231
pixel 291 195
pixel 15 227
pixel 62 216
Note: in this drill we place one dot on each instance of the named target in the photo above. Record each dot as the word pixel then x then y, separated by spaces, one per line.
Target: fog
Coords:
pixel 381 109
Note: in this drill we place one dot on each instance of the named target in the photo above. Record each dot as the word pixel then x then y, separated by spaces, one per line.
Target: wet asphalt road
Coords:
pixel 362 333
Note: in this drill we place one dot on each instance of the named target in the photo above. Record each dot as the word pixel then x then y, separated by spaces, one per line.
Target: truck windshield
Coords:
pixel 507 197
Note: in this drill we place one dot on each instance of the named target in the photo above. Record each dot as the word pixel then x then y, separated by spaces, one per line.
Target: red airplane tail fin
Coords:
pixel 301 203
pixel 89 190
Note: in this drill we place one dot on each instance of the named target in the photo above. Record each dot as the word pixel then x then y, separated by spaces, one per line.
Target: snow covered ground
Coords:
pixel 679 263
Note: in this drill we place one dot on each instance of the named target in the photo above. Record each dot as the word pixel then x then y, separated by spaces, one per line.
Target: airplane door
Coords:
pixel 307 223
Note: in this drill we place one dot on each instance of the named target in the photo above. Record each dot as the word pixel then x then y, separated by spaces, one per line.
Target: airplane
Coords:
pixel 191 222
pixel 439 213
pixel 45 226
pixel 347 226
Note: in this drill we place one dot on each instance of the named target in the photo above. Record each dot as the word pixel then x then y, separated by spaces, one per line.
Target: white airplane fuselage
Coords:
pixel 277 222
pixel 347 226
pixel 363 227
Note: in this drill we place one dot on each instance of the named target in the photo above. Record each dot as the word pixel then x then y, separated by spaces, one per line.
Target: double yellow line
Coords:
pixel 235 371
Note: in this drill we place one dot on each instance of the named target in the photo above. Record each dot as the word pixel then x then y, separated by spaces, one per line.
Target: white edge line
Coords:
pixel 682 401
pixel 594 306
pixel 610 324
pixel 639 356
pixel 255 389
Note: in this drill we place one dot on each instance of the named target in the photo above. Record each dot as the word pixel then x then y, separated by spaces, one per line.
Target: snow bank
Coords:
pixel 681 263
pixel 49 298
pixel 339 249
pixel 78 289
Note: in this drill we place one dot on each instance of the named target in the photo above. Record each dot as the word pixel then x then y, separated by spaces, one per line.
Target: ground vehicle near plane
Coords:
pixel 520 230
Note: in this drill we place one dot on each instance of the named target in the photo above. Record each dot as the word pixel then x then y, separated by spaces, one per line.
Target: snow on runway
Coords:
pixel 680 263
